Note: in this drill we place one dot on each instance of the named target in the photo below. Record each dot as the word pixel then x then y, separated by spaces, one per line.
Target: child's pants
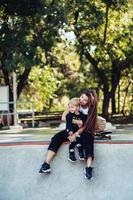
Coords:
pixel 77 144
pixel 87 141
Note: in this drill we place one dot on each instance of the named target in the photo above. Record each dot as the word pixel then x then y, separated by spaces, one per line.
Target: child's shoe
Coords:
pixel 81 156
pixel 72 157
pixel 45 168
pixel 88 172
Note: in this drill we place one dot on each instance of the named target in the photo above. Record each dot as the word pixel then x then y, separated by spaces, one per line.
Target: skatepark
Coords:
pixel 52 52
pixel 22 154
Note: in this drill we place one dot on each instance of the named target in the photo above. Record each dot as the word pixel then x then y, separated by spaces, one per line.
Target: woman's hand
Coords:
pixel 70 133
pixel 78 122
pixel 72 138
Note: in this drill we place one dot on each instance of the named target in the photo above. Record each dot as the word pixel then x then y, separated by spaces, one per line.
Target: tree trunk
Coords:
pixel 104 81
pixel 125 96
pixel 106 24
pixel 105 105
pixel 9 82
pixel 113 103
pixel 116 73
pixel 118 98
pixel 22 81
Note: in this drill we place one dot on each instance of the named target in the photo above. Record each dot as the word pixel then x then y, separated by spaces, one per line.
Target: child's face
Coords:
pixel 73 108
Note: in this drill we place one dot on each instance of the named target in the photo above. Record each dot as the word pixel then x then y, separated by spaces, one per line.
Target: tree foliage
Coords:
pixel 28 30
pixel 40 89
pixel 99 54
pixel 103 33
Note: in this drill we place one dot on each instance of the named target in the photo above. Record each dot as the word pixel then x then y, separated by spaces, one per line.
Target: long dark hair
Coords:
pixel 92 113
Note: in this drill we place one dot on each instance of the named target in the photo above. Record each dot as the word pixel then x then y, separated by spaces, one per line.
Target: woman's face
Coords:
pixel 84 100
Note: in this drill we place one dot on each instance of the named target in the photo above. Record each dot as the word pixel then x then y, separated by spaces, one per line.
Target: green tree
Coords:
pixel 103 33
pixel 28 30
pixel 125 93
pixel 40 89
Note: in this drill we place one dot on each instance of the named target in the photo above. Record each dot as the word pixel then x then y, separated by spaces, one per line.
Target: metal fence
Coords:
pixel 11 116
pixel 25 112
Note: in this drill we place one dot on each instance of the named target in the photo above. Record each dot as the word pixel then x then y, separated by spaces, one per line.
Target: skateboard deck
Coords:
pixel 102 135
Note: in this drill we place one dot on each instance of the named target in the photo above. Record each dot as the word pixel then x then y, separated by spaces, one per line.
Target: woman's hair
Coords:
pixel 92 113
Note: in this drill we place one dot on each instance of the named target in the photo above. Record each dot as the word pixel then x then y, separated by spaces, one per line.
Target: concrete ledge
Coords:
pixel 19 177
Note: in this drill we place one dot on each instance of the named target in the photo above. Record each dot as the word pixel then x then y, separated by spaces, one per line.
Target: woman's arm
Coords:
pixel 63 118
pixel 78 122
pixel 80 131
pixel 73 137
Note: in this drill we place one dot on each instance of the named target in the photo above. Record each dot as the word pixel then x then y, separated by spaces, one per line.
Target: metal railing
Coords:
pixel 9 116
pixel 25 112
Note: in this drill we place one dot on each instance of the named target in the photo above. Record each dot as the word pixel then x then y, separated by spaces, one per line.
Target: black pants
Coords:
pixel 87 141
pixel 77 143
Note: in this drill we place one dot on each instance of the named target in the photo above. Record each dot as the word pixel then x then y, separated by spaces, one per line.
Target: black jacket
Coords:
pixel 70 116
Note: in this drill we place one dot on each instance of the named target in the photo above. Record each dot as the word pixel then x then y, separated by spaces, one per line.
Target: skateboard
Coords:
pixel 103 135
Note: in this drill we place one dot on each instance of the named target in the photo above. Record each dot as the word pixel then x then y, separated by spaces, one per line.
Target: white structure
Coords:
pixel 4 98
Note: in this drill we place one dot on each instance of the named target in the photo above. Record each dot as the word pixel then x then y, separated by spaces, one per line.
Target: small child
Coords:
pixel 71 128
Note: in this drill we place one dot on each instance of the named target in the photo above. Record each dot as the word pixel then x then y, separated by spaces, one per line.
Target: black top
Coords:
pixel 70 116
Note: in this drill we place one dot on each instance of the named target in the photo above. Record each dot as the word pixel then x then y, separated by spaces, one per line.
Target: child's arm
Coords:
pixel 80 130
pixel 69 126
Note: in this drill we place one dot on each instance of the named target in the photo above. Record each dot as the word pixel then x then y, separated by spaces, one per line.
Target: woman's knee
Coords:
pixel 87 140
pixel 59 137
pixel 57 140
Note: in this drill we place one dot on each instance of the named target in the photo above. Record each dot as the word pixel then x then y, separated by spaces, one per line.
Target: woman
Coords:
pixel 88 105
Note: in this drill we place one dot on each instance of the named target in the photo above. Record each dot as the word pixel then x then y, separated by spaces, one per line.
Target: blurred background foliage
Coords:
pixel 58 48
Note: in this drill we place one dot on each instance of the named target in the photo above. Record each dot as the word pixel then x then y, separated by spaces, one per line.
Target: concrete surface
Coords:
pixel 21 156
pixel 122 132
pixel 20 180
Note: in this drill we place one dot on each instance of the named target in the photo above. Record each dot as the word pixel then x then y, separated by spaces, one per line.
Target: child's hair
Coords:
pixel 74 101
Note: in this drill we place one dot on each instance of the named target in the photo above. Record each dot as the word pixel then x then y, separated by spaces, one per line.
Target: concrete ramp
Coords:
pixel 20 180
